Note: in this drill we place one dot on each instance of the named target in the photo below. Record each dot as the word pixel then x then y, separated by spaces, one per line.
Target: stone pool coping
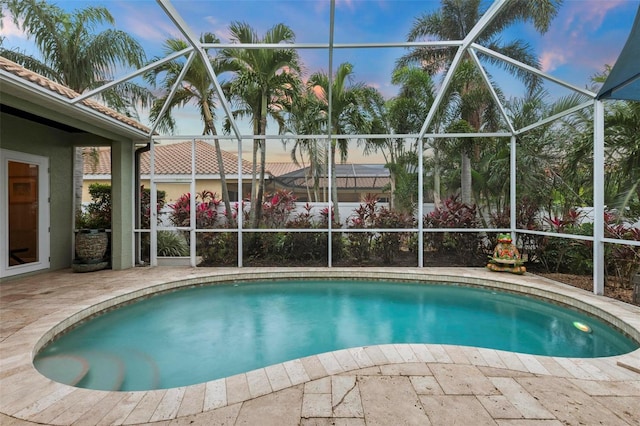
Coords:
pixel 35 309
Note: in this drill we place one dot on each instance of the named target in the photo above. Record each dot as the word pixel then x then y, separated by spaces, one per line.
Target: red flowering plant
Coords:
pixel 387 245
pixel 324 218
pixel 278 207
pixel 622 260
pixel 454 214
pixel 364 216
pixel 305 246
pixel 216 248
pixel 207 215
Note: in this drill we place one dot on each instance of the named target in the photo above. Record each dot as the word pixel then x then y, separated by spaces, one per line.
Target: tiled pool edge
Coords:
pixel 35 396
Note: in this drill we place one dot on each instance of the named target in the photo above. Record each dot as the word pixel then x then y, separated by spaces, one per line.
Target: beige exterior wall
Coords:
pixel 173 190
pixel 176 190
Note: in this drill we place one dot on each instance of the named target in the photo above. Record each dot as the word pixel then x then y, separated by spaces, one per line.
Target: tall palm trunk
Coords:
pixel 475 121
pixel 437 199
pixel 262 130
pixel 260 194
pixel 223 179
pixel 254 178
pixel 465 184
pixel 334 184
pixel 307 177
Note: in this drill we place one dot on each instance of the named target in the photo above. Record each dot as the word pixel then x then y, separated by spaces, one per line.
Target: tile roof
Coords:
pixel 175 159
pixel 348 176
pixel 97 161
pixel 281 168
pixel 45 83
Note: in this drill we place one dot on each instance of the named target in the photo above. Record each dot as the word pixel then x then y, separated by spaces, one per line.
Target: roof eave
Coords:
pixel 58 104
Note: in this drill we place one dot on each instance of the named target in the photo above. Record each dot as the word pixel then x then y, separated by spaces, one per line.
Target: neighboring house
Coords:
pixel 173 169
pixel 354 182
pixel 39 132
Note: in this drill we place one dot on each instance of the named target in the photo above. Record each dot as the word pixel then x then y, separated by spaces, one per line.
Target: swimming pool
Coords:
pixel 199 334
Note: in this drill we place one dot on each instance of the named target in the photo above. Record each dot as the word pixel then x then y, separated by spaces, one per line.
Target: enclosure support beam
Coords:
pixel 193 224
pixel 598 197
pixel 153 211
pixel 420 150
pixel 332 15
pixel 512 189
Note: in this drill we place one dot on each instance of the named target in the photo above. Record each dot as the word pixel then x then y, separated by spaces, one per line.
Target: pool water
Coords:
pixel 199 334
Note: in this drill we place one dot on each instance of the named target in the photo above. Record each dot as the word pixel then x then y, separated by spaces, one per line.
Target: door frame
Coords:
pixel 44 261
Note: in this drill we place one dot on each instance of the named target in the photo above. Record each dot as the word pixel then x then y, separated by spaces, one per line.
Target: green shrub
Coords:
pixel 387 245
pixel 218 248
pixel 98 212
pixel 360 243
pixel 454 214
pixel 172 244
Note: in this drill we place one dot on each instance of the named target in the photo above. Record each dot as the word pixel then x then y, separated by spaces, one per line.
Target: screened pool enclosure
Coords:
pixel 404 209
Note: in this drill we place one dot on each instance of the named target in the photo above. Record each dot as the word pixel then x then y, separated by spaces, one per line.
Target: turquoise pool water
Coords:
pixel 199 334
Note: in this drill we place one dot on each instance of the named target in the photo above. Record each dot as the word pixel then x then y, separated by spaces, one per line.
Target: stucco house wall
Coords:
pixel 22 135
pixel 37 119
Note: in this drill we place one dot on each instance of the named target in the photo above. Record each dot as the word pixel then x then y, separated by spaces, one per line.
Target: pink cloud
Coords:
pixel 552 59
pixel 10 29
pixel 152 26
pixel 586 14
pixel 572 39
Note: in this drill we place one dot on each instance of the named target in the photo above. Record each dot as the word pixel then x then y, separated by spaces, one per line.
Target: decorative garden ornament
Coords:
pixel 506 257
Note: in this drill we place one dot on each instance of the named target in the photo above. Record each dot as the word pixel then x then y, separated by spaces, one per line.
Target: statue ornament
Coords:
pixel 506 257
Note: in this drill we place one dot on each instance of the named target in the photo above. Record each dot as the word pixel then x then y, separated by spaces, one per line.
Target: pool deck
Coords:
pixel 375 385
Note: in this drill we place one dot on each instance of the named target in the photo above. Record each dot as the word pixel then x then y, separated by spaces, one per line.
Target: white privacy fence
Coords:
pixel 346 211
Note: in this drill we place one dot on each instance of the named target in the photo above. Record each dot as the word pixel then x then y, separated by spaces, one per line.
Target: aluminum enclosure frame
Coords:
pixel 468 45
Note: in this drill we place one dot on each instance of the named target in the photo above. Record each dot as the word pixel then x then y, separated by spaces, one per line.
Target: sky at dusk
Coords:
pixel 586 34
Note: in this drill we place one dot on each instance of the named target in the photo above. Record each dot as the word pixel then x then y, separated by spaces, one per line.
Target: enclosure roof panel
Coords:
pixel 624 80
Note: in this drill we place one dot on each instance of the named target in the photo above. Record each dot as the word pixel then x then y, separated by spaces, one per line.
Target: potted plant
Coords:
pixel 92 240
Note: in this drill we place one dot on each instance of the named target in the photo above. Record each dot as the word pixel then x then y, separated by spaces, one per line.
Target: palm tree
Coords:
pixel 348 115
pixel 453 21
pixel 402 114
pixel 622 153
pixel 265 80
pixel 196 88
pixel 77 57
pixel 623 126
pixel 306 117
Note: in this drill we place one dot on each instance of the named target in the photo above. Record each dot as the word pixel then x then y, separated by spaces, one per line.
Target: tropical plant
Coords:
pixel 172 244
pixel 207 211
pixel 265 81
pixel 403 114
pixel 74 55
pixel 306 118
pixel 453 214
pixel 468 98
pixel 349 114
pixel 363 217
pixel 306 246
pixel 196 88
pixel 623 143
pixel 97 214
pixel 278 207
pixel 145 218
pixel 388 245
pixel 145 206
